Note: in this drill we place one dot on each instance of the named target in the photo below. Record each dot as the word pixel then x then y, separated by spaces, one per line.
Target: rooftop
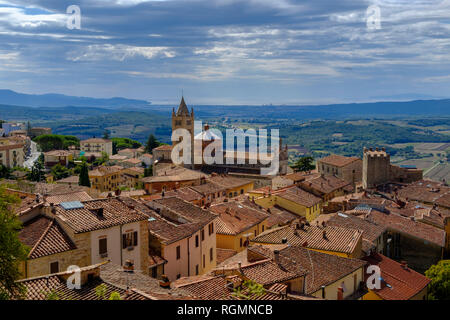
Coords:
pixel 237 217
pixel 324 184
pixel 300 196
pixel 45 237
pixel 338 161
pixel 336 239
pixel 371 231
pixel 407 225
pixel 86 217
pixel 398 281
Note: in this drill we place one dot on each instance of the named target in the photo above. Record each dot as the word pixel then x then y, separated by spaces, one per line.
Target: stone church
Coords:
pixel 183 118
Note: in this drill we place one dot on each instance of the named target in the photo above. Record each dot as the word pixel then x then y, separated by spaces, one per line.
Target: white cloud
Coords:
pixel 119 52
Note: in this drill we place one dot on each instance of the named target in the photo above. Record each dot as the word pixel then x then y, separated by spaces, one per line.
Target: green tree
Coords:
pixel 37 171
pixel 106 134
pixel 152 143
pixel 12 251
pixel 84 176
pixel 115 296
pixel 304 164
pixel 60 172
pixel 100 291
pixel 148 172
pixel 440 280
pixel 5 172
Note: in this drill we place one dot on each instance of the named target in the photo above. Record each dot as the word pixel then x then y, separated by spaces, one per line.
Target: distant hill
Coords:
pixel 9 97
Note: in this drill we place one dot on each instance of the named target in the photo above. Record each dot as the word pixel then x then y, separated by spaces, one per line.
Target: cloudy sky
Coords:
pixel 228 51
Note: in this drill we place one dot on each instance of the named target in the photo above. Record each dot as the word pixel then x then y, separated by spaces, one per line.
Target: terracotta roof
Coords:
pixel 163 226
pixel 337 239
pixel 229 182
pixel 322 269
pixel 45 237
pixel 435 216
pixel 325 184
pixel 208 188
pixel 175 174
pixel 300 196
pixel 187 193
pixel 38 289
pixel 104 171
pixel 427 191
pixel 67 197
pixel 163 147
pixel 117 157
pixel 237 217
pixel 115 212
pixel 140 282
pixel 71 179
pixel 224 254
pixel 371 231
pixel 209 287
pixel 95 140
pixel 28 201
pixel 184 209
pixel 60 153
pixel 303 175
pixel 399 283
pixel 338 161
pixel 408 226
pixel 279 217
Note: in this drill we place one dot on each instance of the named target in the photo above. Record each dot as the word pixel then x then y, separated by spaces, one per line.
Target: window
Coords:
pixel 255 233
pixel 196 270
pixel 204 261
pixel 54 267
pixel 178 252
pixel 203 234
pixel 129 239
pixel 154 272
pixel 103 246
pixel 211 254
pixel 178 276
pixel 242 191
pixel 196 241
pixel 211 228
pixel 240 242
pixel 263 228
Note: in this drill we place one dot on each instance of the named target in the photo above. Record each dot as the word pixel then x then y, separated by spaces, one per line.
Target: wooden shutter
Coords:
pixel 135 238
pixel 124 241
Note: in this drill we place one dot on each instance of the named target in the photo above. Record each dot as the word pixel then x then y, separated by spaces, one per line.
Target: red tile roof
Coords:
pixel 300 196
pixel 115 212
pixel 338 161
pixel 371 231
pixel 67 197
pixel 224 254
pixel 236 217
pixel 325 184
pixel 337 239
pixel 406 225
pixel 404 283
pixel 45 237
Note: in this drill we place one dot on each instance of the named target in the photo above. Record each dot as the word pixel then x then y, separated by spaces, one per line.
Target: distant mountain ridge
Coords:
pixel 9 97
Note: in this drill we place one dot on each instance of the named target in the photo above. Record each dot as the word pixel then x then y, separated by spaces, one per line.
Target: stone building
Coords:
pixel 378 170
pixel 183 119
pixel 345 168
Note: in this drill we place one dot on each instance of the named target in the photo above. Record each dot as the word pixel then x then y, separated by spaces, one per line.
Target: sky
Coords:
pixel 228 51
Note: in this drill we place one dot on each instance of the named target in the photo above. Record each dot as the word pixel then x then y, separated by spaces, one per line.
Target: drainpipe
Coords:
pixel 121 244
pixel 189 257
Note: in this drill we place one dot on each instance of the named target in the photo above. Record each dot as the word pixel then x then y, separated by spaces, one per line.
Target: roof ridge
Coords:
pixel 42 236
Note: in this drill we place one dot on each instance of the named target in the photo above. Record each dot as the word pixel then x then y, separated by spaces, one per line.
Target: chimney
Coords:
pixel 404 265
pixel 276 255
pixel 284 240
pixel 305 244
pixel 324 234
